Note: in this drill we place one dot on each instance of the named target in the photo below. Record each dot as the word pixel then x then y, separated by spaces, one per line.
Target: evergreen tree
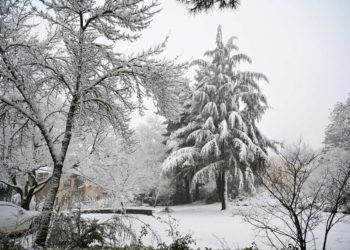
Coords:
pixel 221 132
pixel 181 176
pixel 338 131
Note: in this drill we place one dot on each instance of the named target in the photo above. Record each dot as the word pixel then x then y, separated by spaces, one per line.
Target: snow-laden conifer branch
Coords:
pixel 249 143
pixel 178 158
pixel 210 109
pixel 252 75
pixel 209 124
pixel 175 143
pixel 208 172
pixel 225 134
pixel 237 58
pixel 196 6
pixel 185 130
pixel 201 63
pixel 230 44
pixel 210 150
pixel 235 121
pixel 199 136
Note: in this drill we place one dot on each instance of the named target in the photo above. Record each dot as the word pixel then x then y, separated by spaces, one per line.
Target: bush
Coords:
pixel 73 231
pixel 147 198
pixel 179 242
pixel 9 243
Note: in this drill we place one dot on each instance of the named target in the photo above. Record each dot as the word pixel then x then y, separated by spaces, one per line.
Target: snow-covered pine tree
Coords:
pixel 181 177
pixel 221 133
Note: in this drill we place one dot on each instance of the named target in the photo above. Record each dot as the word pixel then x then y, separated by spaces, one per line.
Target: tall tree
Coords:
pixel 76 69
pixel 336 159
pixel 205 5
pixel 222 133
pixel 181 177
pixel 149 152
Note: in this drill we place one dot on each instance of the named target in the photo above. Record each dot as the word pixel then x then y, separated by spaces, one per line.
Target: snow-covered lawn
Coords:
pixel 217 229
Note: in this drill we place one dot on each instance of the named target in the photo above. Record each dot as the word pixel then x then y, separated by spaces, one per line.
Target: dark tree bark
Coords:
pixel 56 175
pixel 29 191
pixel 218 187
pixel 221 187
pixel 26 201
pixel 48 205
pixel 196 194
pixel 187 190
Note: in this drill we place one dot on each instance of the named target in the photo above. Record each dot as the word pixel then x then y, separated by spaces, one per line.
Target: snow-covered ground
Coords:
pixel 211 227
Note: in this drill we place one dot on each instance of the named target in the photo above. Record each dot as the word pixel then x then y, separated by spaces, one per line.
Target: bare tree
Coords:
pixel 299 197
pixel 76 69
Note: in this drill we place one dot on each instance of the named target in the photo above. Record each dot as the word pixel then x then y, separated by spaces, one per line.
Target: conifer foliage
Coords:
pixel 220 136
pixel 338 131
pixel 205 5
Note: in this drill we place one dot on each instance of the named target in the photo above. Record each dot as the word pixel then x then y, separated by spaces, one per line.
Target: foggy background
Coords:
pixel 301 46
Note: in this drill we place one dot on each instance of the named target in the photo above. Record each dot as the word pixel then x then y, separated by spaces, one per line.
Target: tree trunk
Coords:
pixel 48 205
pixel 25 204
pixel 187 191
pixel 57 172
pixel 325 240
pixel 28 192
pixel 196 194
pixel 221 185
pixel 224 190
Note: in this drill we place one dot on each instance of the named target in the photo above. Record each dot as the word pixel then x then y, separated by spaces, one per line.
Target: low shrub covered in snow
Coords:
pixel 9 243
pixel 72 231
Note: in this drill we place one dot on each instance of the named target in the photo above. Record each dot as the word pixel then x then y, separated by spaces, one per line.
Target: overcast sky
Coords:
pixel 302 47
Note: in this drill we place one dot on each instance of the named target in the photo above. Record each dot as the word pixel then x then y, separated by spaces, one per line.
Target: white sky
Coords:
pixel 302 47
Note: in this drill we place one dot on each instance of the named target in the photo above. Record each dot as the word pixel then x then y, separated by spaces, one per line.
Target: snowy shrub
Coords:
pixel 144 198
pixel 179 241
pixel 9 243
pixel 252 247
pixel 73 231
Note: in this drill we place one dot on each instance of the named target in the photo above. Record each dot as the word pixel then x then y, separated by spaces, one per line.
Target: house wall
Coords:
pixel 72 192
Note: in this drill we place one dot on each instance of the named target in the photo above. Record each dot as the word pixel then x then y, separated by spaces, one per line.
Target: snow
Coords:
pixel 14 219
pixel 213 228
